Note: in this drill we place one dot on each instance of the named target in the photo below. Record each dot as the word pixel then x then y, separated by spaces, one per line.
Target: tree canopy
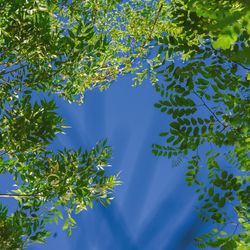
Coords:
pixel 196 53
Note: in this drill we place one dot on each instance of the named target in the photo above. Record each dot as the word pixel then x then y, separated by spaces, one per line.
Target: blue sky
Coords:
pixel 153 208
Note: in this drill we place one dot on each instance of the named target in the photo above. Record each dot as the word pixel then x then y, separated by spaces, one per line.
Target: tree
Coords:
pixel 68 47
pixel 48 46
pixel 207 97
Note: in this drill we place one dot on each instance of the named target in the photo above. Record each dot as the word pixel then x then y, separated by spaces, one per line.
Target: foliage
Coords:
pixel 200 49
pixel 207 97
pixel 50 47
pixel 225 20
pixel 207 113
pixel 64 50
pixel 10 233
pixel 20 228
pixel 47 181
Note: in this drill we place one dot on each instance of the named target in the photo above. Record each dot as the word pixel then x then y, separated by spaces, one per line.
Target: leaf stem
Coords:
pixel 243 66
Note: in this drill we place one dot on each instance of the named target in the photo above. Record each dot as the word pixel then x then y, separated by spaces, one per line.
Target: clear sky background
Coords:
pixel 153 208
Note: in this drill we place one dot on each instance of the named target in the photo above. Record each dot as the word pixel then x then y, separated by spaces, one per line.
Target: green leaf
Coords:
pixel 196 131
pixel 224 174
pixel 170 139
pixel 222 202
pixel 216 197
pixel 174 125
pixel 66 224
pixel 211 191
pixel 230 244
pixel 163 134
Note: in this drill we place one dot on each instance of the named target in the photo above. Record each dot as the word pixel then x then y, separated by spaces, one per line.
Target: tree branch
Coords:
pixel 156 18
pixel 3 72
pixel 19 195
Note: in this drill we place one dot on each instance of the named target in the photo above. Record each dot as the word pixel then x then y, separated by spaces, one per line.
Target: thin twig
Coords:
pixel 236 227
pixel 210 110
pixel 150 34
